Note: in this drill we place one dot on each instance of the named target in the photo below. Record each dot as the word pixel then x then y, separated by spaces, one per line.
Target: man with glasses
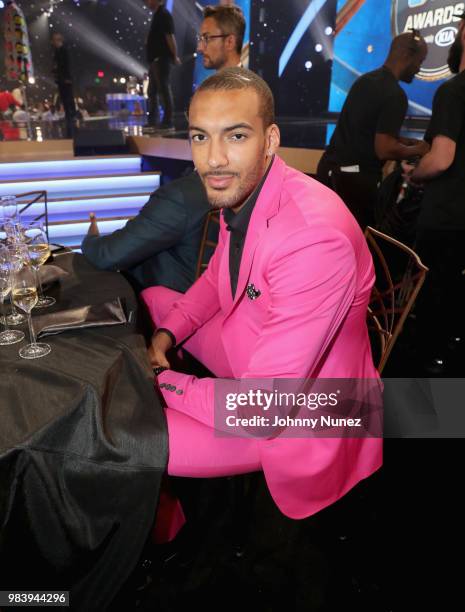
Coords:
pixel 221 37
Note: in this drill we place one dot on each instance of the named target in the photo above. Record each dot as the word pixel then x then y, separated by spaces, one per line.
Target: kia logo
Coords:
pixel 437 21
pixel 445 37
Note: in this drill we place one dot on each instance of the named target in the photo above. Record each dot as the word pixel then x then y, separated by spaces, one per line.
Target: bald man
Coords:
pixel 367 131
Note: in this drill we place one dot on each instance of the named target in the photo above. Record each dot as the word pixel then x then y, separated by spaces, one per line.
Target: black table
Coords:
pixel 83 447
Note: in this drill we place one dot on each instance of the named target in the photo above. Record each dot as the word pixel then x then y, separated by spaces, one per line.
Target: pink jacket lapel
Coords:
pixel 266 207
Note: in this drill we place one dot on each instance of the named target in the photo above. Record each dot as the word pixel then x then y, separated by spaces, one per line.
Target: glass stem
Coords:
pixel 3 318
pixel 31 329
pixel 13 311
pixel 4 321
pixel 39 283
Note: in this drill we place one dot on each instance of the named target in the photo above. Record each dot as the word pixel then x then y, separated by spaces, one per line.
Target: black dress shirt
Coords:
pixel 237 224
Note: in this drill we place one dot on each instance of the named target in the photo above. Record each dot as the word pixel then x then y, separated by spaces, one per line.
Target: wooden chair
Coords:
pixel 209 241
pixel 26 200
pixel 399 277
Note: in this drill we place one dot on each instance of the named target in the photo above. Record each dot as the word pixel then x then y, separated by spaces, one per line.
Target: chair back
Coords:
pixel 400 274
pixel 209 241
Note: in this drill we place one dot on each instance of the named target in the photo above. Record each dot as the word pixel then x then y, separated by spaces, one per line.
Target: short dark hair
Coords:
pixel 241 78
pixel 230 20
pixel 409 42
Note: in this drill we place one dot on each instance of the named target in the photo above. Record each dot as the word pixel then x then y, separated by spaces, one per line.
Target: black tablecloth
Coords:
pixel 83 447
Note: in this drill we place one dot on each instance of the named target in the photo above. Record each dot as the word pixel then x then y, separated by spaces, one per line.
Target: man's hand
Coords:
pixel 93 227
pixel 161 344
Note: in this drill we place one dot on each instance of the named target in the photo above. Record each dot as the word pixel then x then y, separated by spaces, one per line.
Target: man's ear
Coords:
pixel 230 42
pixel 273 139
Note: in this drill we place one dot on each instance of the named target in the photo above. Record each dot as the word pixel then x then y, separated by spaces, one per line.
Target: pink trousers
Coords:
pixel 194 449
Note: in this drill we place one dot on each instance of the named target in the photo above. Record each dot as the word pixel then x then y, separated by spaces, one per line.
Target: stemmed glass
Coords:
pixel 18 257
pixel 25 297
pixel 7 267
pixel 9 209
pixel 36 240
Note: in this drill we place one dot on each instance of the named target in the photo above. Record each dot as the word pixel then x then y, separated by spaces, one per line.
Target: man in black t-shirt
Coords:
pixel 441 224
pixel 367 132
pixel 161 54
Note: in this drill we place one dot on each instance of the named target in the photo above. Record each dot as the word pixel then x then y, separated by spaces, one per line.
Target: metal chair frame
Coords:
pixel 389 307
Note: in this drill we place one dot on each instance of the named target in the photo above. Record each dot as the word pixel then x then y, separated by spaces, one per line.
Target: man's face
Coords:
pixel 413 67
pixel 57 40
pixel 456 51
pixel 230 147
pixel 215 51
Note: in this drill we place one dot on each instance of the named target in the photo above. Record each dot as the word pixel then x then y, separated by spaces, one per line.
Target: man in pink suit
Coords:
pixel 284 297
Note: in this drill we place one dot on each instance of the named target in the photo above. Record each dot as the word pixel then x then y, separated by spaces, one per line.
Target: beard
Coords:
pixel 455 55
pixel 219 198
pixel 214 64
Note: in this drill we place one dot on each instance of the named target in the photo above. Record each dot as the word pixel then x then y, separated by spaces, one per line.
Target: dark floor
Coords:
pixel 285 564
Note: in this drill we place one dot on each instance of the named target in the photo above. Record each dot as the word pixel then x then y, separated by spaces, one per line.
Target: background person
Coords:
pixel 161 54
pixel 367 130
pixel 221 37
pixel 63 79
pixel 441 224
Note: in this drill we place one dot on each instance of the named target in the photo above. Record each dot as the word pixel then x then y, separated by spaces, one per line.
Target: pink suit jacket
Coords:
pixel 307 256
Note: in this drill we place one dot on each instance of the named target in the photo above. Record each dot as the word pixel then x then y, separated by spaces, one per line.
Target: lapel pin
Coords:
pixel 253 293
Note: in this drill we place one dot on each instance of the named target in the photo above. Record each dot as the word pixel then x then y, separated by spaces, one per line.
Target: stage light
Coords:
pixel 318 48
pixel 2 4
pixel 328 31
pixel 308 65
pixel 100 74
pixel 31 80
pixel 122 80
pixel 93 38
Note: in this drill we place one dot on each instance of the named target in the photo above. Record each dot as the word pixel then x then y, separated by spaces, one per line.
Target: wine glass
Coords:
pixel 8 336
pixel 25 297
pixel 9 208
pixel 36 240
pixel 18 257
pixel 13 230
